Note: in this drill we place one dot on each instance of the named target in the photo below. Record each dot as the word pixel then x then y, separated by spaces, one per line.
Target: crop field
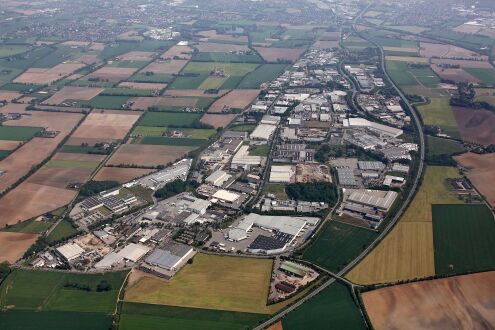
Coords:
pixel 454 74
pixel 11 50
pixel 337 244
pixel 121 175
pixel 480 172
pixel 236 99
pixel 143 86
pixel 126 92
pixel 333 307
pixel 29 227
pixel 404 75
pixel 273 54
pixel 475 125
pixel 463 237
pixel 217 120
pixel 112 74
pixel 177 119
pixel 33 320
pixel 220 48
pixel 226 57
pixel 46 291
pixel 485 75
pixel 148 155
pixel 192 133
pixel 167 67
pixel 63 230
pixel 458 302
pixel 155 317
pixel 18 133
pixel 439 146
pixel 189 82
pixel 448 51
pixel 62 174
pixel 212 282
pixel 264 73
pixel 128 64
pixel 466 64
pixel 64 163
pixel 44 76
pixel 13 245
pixel 439 113
pixel 9 95
pixel 485 95
pixel 144 103
pixel 193 93
pixel 73 93
pixel 213 35
pixel 168 141
pixel 230 69
pixel 102 102
pixel 243 128
pixel 79 149
pixel 212 82
pixel 151 78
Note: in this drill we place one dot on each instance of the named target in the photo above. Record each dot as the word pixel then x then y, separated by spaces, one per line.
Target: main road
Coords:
pixel 392 222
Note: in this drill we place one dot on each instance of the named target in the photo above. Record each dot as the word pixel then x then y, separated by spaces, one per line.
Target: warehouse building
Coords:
pixel 170 256
pixel 70 251
pixel 379 199
pixel 282 173
pixel 382 129
pixel 218 178
pixel 346 177
pixel 242 159
pixel 263 132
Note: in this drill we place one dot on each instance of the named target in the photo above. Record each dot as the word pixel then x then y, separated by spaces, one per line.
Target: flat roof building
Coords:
pixel 70 251
pixel 169 256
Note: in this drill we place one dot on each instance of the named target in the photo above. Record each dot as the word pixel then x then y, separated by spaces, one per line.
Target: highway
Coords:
pixel 392 222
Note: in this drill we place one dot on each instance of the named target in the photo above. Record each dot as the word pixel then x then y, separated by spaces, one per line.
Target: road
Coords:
pixel 393 221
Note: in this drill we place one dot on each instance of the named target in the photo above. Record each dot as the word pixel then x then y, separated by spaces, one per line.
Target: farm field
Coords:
pixel 33 320
pixel 45 76
pixel 485 95
pixel 236 99
pixel 463 237
pixel 480 172
pixel 457 75
pixel 475 125
pixel 147 155
pixel 111 74
pixel 63 230
pixel 189 82
pixel 458 302
pixel 146 131
pixel 212 55
pixel 11 50
pixel 28 227
pixel 273 54
pixel 439 146
pixel 61 175
pixel 102 102
pixel 264 73
pixel 121 175
pixel 193 93
pixel 45 291
pixel 144 103
pixel 168 67
pixel 9 95
pixel 439 113
pixel 337 244
pixel 18 133
pixel 217 120
pixel 219 48
pixel 142 86
pixel 230 69
pixel 168 141
pixel 243 128
pixel 177 119
pixel 429 50
pixel 212 282
pixel 333 306
pixel 485 75
pixel 150 78
pixel 155 317
pixel 73 93
pixel 13 245
pixel 72 164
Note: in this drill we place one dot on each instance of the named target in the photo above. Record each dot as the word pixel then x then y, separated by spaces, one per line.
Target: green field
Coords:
pixel 71 149
pixel 129 64
pixel 167 141
pixel 4 154
pixel 276 189
pixel 137 316
pixel 230 69
pixel 404 75
pixel 18 133
pixel 439 146
pixel 439 113
pixel 38 290
pixel 126 92
pixel 188 82
pixel 262 150
pixel 176 119
pixel 487 76
pixel 333 308
pixel 59 55
pixel 189 132
pixel 19 87
pixel 72 164
pixel 243 128
pixel 154 78
pixel 29 226
pixel 63 230
pixel 103 102
pixel 33 320
pixel 114 50
pixel 264 73
pixel 464 237
pixel 212 82
pixel 226 57
pixel 11 50
pixel 337 244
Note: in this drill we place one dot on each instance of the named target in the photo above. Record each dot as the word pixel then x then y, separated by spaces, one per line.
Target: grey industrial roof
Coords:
pixel 168 256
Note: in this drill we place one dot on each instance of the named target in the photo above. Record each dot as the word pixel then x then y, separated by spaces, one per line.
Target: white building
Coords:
pixel 70 251
pixel 282 173
pixel 263 132
pixel 218 178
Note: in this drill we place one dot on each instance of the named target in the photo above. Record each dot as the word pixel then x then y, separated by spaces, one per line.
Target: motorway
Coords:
pixel 392 222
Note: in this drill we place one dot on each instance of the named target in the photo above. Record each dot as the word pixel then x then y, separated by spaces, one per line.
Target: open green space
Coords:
pixel 18 133
pixel 72 163
pixel 126 92
pixel 135 316
pixel 189 132
pixel 20 87
pixel 151 78
pixel 129 64
pixel 63 230
pixel 464 237
pixel 171 119
pixel 11 50
pixel 259 150
pixel 4 154
pixel 59 55
pixel 439 146
pixel 168 141
pixel 33 320
pixel 402 73
pixel 29 226
pixel 227 57
pixel 103 102
pixel 230 69
pixel 56 291
pixel 188 82
pixel 7 75
pixel 337 244
pixel 25 61
pixel 113 50
pixel 264 73
pixel 487 76
pixel 333 308
pixel 276 189
pixel 438 112
pixel 243 128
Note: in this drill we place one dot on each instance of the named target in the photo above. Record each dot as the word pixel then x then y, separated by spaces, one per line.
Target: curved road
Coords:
pixel 392 222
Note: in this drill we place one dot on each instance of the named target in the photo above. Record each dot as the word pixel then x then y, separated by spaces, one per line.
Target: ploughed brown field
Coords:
pixel 475 125
pixel 275 54
pixel 112 74
pixel 29 200
pixel 147 155
pixel 481 173
pixel 119 174
pixel 165 66
pixel 73 93
pixel 60 177
pixel 9 96
pixel 237 98
pixel 326 44
pixel 460 302
pixel 13 245
pixel 207 47
pixel 9 145
pixel 457 75
pixel 19 163
pixel 104 126
pixel 183 52
pixel 463 63
pixel 44 76
pixel 137 85
pixel 428 49
pixel 217 120
pixel 143 103
pixel 194 92
pixel 137 56
pixel 212 34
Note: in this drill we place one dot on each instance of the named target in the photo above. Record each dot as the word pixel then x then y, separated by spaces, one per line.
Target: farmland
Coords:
pixel 264 73
pixel 103 101
pixel 168 141
pixel 230 69
pixel 457 302
pixel 217 120
pixel 475 125
pixel 439 113
pixel 171 119
pixel 405 75
pixel 33 320
pixel 192 133
pixel 439 146
pixel 276 54
pixel 13 245
pixel 155 317
pixel 73 93
pixel 63 230
pixel 340 242
pixel 121 175
pixel 485 75
pixel 236 99
pixel 333 306
pixel 37 290
pixel 212 282
pixel 463 237
pixel 18 133
pixel 147 155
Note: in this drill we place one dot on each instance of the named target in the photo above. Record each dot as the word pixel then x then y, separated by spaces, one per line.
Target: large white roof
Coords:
pixel 133 252
pixel 361 122
pixel 225 195
pixel 263 131
pixel 70 251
